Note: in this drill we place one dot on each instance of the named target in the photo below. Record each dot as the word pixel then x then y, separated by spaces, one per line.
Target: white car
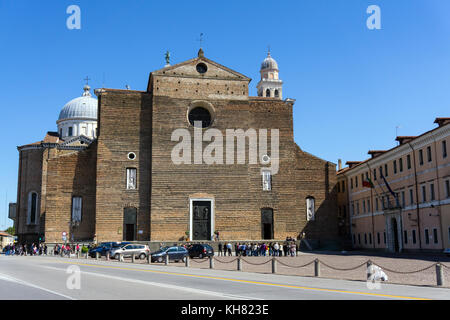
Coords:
pixel 139 250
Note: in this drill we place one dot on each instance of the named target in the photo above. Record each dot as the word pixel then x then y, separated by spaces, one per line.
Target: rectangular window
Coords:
pixel 351 183
pixel 368 205
pixel 400 164
pixel 384 236
pixel 131 178
pixel 386 171
pixel 403 199
pixel 395 166
pixel 266 180
pixel 378 238
pixel 70 131
pixel 376 204
pixel 421 157
pixel 310 209
pixel 414 236
pixel 343 186
pixel 444 149
pixel 364 206
pixel 405 236
pixel 432 191
pixel 408 161
pixel 356 182
pixel 374 174
pixel 435 236
pixel 429 154
pixel 354 239
pixel 411 196
pixel 424 194
pixel 367 175
pixel 370 238
pixel 357 207
pixel 447 188
pixel 365 238
pixel 381 171
pixel 353 209
pixel 427 237
pixel 76 209
pixel 359 238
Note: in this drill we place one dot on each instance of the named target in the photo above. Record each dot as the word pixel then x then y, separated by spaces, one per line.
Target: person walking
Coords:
pixel 220 249
pixel 229 248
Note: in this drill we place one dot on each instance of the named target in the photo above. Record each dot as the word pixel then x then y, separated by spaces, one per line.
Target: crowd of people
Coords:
pixel 25 249
pixel 39 249
pixel 275 249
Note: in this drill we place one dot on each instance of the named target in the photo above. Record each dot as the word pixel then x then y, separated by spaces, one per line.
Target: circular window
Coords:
pixel 200 114
pixel 265 159
pixel 131 156
pixel 201 68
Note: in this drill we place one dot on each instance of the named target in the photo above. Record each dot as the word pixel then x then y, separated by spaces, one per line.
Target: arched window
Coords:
pixel 277 94
pixel 268 93
pixel 32 210
pixel 310 209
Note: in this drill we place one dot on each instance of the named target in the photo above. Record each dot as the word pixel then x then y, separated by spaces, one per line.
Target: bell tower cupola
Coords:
pixel 270 85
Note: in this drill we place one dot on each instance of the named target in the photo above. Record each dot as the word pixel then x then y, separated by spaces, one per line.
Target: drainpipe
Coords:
pixel 417 195
pixel 438 193
pixel 371 205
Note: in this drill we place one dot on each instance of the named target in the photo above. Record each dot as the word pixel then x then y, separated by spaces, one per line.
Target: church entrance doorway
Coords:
pixel 267 223
pixel 129 224
pixel 201 219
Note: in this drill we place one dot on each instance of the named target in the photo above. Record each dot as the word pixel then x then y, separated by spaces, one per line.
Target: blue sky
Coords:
pixel 352 85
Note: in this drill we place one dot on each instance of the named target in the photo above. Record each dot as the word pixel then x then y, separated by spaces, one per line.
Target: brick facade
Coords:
pixel 142 122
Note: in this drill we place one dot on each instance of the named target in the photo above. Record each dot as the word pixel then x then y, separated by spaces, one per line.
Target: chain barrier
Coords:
pixel 302 266
pixel 226 261
pixel 448 267
pixel 343 269
pixel 405 272
pixel 256 264
pixel 201 260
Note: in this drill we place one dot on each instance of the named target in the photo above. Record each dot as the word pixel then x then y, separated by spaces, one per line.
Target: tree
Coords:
pixel 11 231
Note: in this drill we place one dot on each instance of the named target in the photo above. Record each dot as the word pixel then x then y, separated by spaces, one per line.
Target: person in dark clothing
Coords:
pixel 220 249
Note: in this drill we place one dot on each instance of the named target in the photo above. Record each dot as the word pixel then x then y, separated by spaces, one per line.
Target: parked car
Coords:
pixel 175 254
pixel 139 250
pixel 104 247
pixel 447 252
pixel 200 251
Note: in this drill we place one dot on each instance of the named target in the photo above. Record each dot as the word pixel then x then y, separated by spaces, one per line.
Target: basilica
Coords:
pixel 119 166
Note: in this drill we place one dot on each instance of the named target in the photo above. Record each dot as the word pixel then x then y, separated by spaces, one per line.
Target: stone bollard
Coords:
pixel 187 261
pixel 369 270
pixel 97 255
pixel 316 268
pixel 149 258
pixel 239 265
pixel 107 256
pixel 87 255
pixel 167 260
pixel 78 254
pixel 133 258
pixel 274 265
pixel 211 262
pixel 121 257
pixel 439 275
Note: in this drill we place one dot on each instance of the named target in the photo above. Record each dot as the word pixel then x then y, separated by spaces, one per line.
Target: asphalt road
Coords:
pixel 50 278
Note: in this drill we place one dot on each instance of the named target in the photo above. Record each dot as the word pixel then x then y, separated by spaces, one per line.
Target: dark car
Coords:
pixel 175 254
pixel 200 251
pixel 105 247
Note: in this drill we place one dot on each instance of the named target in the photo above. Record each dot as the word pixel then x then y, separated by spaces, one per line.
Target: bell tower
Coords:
pixel 270 85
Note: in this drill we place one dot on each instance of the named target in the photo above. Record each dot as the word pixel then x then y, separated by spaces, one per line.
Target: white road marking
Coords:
pixel 162 285
pixel 22 282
